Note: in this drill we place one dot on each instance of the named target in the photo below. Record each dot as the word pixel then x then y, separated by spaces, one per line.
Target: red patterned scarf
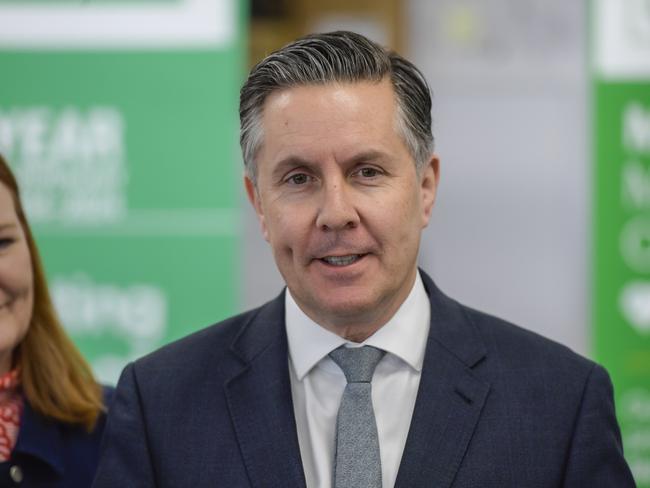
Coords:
pixel 11 409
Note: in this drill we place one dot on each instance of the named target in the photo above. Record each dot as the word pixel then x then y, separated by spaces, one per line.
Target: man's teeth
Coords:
pixel 342 260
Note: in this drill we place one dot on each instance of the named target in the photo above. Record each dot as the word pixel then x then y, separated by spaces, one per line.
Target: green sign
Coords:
pixel 120 122
pixel 621 89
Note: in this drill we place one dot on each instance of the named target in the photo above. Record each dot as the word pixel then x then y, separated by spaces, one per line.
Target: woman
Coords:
pixel 52 411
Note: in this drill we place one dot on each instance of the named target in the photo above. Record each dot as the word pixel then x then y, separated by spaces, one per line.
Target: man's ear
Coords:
pixel 429 178
pixel 254 198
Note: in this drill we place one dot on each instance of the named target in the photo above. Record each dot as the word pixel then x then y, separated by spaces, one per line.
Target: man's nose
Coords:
pixel 337 210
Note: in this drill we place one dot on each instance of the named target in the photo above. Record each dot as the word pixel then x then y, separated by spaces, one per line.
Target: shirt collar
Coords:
pixel 404 335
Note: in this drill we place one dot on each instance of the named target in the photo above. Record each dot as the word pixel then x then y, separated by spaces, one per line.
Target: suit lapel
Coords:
pixel 259 399
pixel 450 397
pixel 447 410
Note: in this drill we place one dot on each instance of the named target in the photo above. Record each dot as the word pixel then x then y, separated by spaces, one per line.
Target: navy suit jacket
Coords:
pixel 497 406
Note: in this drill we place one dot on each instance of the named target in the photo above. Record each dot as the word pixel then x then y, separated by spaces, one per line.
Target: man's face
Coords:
pixel 340 202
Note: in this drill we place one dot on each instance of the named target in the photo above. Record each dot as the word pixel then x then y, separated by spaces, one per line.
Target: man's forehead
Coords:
pixel 336 90
pixel 338 120
pixel 305 109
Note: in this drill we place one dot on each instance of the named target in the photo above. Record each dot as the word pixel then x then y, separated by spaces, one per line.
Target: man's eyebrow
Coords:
pixel 298 162
pixel 8 225
pixel 288 163
pixel 368 156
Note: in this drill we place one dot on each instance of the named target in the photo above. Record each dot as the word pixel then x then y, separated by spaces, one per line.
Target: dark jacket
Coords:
pixel 51 454
pixel 497 407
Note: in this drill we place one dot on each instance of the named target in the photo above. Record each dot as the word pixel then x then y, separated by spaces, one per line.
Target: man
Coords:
pixel 361 373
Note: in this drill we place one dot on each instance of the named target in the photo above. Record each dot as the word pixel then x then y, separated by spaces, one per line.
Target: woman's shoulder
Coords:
pixel 54 451
pixel 35 424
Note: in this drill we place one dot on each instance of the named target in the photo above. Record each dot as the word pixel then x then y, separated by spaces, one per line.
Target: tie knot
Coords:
pixel 358 363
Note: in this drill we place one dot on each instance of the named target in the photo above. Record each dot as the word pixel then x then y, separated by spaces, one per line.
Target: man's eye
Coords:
pixel 298 179
pixel 369 172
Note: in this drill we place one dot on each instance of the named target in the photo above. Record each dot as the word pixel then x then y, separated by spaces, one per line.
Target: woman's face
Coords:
pixel 16 280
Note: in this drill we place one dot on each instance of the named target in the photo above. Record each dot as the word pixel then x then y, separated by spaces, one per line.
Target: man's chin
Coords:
pixel 345 308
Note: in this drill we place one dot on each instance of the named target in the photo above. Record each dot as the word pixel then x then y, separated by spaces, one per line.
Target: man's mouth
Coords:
pixel 342 260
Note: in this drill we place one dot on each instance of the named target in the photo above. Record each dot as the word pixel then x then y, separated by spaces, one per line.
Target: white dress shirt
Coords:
pixel 317 384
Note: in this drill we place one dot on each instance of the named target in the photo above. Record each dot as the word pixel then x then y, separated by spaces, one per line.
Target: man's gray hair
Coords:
pixel 339 56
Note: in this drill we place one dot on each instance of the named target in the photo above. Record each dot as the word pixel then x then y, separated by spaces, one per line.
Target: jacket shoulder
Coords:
pixel 199 348
pixel 517 348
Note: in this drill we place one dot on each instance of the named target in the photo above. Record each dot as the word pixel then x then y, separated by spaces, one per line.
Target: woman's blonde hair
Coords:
pixel 56 380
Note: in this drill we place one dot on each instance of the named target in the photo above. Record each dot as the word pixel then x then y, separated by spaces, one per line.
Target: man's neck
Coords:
pixel 358 326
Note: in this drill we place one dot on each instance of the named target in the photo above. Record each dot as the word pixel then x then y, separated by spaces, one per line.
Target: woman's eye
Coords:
pixel 298 179
pixel 6 242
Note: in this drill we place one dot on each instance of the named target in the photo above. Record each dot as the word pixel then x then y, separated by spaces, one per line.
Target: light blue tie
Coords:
pixel 357 462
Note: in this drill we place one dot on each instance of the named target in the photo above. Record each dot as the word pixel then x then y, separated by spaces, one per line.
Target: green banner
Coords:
pixel 621 90
pixel 120 122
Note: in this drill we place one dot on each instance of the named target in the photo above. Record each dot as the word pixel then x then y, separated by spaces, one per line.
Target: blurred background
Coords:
pixel 120 119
